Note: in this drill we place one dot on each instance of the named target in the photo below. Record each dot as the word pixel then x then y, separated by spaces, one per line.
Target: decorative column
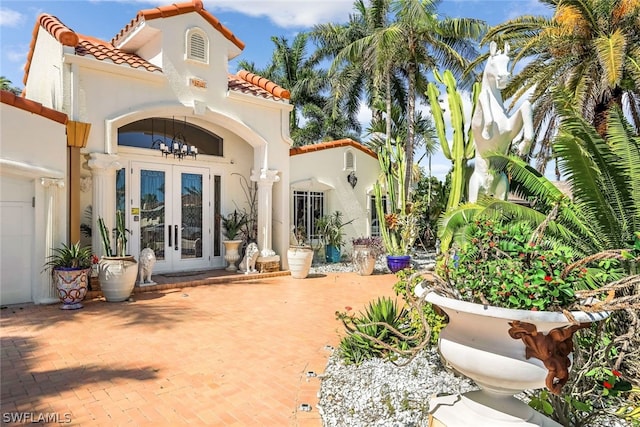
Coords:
pixel 48 293
pixel 265 180
pixel 103 169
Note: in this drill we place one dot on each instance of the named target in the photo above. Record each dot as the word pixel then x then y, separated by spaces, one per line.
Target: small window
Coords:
pixel 197 46
pixel 349 161
pixel 375 221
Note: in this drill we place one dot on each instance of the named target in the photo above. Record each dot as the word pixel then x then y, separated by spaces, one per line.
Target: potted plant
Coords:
pixel 300 253
pixel 232 225
pixel 70 266
pixel 330 228
pixel 365 252
pixel 514 302
pixel 117 271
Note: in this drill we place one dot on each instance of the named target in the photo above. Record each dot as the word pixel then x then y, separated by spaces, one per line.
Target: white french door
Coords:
pixel 174 215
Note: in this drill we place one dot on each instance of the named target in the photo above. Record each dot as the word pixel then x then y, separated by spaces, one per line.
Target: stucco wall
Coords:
pixel 327 167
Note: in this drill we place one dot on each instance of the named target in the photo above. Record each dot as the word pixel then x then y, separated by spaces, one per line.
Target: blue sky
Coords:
pixel 253 21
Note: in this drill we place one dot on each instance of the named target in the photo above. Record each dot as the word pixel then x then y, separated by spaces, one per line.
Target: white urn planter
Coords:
pixel 232 253
pixel 117 277
pixel 299 259
pixel 505 351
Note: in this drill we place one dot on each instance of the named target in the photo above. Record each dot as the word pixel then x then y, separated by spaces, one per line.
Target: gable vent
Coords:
pixel 198 48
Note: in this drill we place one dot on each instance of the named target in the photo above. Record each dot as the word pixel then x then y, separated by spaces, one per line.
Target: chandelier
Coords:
pixel 178 145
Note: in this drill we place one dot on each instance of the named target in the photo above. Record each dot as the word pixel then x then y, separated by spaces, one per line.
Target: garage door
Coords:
pixel 16 240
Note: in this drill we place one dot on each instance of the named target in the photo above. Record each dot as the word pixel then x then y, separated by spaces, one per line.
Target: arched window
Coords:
pixel 151 132
pixel 349 161
pixel 197 45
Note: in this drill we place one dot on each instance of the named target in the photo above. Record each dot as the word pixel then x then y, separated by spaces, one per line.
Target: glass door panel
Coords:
pixel 192 214
pixel 152 211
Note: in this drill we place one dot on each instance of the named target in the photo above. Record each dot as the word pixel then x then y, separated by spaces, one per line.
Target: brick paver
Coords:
pixel 227 354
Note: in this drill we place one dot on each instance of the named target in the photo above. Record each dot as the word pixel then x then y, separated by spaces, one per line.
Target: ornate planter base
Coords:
pixel 480 409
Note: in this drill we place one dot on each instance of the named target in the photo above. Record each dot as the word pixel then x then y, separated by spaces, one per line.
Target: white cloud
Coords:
pixel 10 18
pixel 288 13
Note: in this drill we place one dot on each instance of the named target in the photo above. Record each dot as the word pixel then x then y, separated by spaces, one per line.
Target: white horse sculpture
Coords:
pixel 493 130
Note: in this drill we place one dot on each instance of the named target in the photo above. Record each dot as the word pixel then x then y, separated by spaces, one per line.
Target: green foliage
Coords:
pixel 330 228
pixel 379 321
pixel 405 286
pixel 233 223
pixel 120 234
pixel 69 256
pixel 462 147
pixel 500 264
pixel 431 193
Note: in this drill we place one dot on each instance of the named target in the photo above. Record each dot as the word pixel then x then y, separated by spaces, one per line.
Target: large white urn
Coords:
pixel 117 277
pixel 505 351
pixel 299 259
pixel 232 253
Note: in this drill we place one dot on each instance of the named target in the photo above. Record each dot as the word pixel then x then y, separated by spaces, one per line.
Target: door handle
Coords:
pixel 175 237
pixel 169 230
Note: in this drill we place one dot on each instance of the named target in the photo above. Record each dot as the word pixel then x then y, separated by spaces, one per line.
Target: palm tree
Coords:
pixel 6 84
pixel 290 69
pixel 590 46
pixel 350 86
pixel 415 41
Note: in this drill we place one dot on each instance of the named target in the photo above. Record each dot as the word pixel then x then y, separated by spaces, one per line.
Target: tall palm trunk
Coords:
pixel 411 120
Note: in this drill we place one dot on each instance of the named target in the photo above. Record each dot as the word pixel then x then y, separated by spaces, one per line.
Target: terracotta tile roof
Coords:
pixel 253 84
pixel 179 9
pixel 332 144
pixel 84 45
pixel 103 50
pixel 9 98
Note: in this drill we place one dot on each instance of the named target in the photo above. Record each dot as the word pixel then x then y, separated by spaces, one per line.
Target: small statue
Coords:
pixel 146 263
pixel 248 263
pixel 493 130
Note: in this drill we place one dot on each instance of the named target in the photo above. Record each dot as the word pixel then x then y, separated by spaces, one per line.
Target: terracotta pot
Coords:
pixel 71 284
pixel 117 277
pixel 504 351
pixel 364 260
pixel 299 259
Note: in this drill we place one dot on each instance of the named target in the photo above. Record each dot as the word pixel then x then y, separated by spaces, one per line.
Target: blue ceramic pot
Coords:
pixel 332 253
pixel 398 262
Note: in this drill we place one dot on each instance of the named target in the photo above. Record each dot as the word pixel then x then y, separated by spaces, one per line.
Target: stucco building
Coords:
pixel 152 124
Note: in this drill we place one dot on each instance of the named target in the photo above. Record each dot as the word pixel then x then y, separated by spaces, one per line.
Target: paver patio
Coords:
pixel 229 354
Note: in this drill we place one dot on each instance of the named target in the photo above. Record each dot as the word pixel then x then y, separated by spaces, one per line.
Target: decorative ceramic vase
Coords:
pixel 299 259
pixel 332 253
pixel 364 260
pixel 71 284
pixel 505 351
pixel 231 253
pixel 398 262
pixel 117 277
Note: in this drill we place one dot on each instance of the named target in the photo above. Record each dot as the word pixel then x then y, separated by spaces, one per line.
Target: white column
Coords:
pixel 265 180
pixel 103 169
pixel 48 294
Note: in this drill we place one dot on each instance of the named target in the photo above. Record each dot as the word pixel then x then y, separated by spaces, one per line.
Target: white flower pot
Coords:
pixel 117 277
pixel 487 344
pixel 299 259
